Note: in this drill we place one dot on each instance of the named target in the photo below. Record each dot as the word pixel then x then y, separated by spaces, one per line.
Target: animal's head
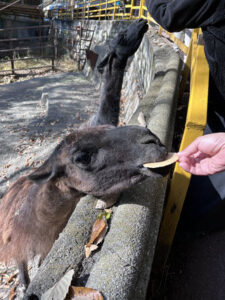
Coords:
pixel 103 160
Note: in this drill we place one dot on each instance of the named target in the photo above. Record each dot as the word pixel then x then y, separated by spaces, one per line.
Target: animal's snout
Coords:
pixel 164 152
pixel 153 145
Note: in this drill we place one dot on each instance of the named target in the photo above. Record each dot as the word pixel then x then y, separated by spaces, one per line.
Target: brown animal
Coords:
pixel 100 160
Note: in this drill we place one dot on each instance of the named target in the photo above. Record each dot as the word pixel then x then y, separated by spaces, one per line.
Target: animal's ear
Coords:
pixel 103 63
pixel 49 170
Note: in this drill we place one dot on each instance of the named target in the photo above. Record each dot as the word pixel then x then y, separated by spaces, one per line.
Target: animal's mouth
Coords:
pixel 143 25
pixel 156 172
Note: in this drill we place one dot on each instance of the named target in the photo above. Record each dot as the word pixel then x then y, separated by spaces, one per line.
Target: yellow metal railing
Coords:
pixel 111 10
pixel 195 124
pixel 197 66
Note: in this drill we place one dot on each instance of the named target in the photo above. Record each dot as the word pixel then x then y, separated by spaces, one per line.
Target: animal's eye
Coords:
pixel 148 140
pixel 83 158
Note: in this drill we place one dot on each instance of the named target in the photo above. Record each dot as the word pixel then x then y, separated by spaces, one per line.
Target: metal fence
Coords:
pixel 107 10
pixel 100 10
pixel 25 44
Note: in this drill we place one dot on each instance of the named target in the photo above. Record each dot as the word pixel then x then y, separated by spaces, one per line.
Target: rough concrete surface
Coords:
pixel 122 271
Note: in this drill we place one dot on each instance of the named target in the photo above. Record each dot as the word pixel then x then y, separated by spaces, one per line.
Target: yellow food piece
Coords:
pixel 171 158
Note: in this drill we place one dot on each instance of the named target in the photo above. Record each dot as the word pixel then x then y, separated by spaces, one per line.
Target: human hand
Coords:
pixel 205 156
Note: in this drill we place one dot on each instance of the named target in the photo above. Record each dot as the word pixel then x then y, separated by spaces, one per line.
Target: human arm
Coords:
pixel 177 15
pixel 205 156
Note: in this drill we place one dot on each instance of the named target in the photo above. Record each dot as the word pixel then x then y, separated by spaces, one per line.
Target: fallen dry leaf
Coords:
pixel 60 289
pixel 171 158
pixel 12 276
pixel 7 166
pixel 12 293
pixel 83 293
pixel 89 249
pixel 99 230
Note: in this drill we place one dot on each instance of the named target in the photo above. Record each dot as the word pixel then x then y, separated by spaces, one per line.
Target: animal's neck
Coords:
pixel 64 187
pixel 109 109
pixel 66 190
pixel 56 201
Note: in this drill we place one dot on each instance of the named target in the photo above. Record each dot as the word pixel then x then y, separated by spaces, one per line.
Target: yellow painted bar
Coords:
pixel 100 9
pixel 80 12
pixel 186 70
pixel 131 9
pixel 195 124
pixel 141 9
pixel 180 44
pixel 136 7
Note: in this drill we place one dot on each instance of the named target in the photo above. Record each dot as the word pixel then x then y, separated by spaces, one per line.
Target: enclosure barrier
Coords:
pixel 44 39
pixel 18 8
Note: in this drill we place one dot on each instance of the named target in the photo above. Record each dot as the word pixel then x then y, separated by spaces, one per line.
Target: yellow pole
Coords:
pixel 131 9
pixel 100 10
pixel 114 10
pixel 141 8
pixel 194 127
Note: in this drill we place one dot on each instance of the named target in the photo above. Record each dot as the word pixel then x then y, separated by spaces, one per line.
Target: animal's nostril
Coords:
pixel 165 151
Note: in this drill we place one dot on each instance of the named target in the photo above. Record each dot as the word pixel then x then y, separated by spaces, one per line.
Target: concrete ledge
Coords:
pixel 121 269
pixel 122 272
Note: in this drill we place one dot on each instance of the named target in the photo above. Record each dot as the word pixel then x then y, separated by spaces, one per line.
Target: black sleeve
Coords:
pixel 175 15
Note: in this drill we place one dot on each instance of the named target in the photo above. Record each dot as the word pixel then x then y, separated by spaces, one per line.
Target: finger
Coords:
pixel 201 167
pixel 186 163
pixel 192 166
pixel 189 150
pixel 195 170
pixel 185 166
pixel 187 160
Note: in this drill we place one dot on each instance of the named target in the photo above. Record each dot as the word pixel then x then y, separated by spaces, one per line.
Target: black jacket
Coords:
pixel 176 15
